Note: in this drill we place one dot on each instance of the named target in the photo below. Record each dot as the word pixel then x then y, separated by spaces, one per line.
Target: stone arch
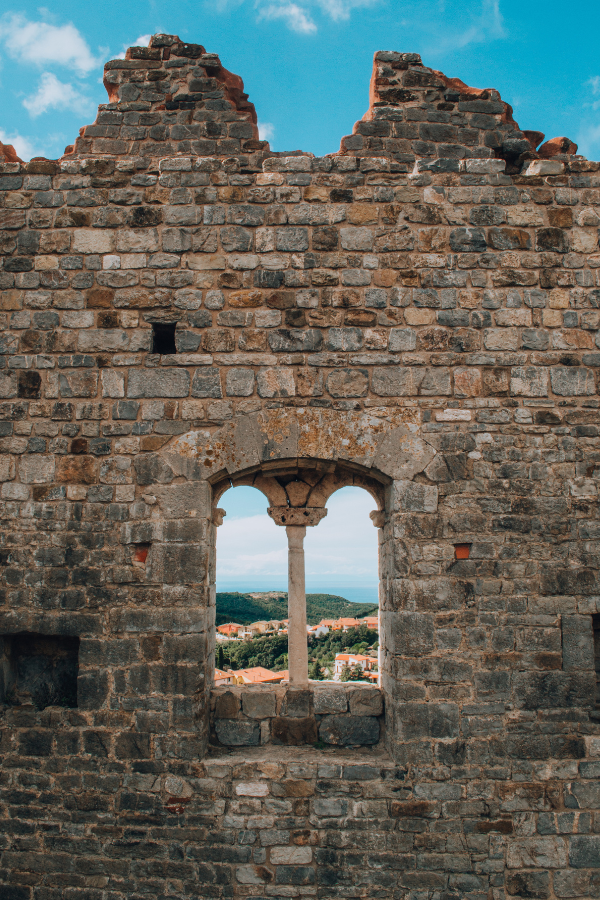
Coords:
pixel 297 457
pixel 305 484
pixel 317 451
pixel 388 444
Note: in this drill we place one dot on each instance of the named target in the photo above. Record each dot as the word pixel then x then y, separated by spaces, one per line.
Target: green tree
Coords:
pixel 358 674
pixel 346 674
pixel 315 671
pixel 220 658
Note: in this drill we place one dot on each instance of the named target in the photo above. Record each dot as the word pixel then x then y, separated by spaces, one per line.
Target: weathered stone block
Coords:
pixel 529 884
pixel 133 745
pixel 288 856
pixel 410 496
pixel 275 382
pixel 174 564
pixel 259 704
pixel 227 705
pixel 348 383
pixel 330 700
pixel 292 730
pixel 37 469
pixel 572 382
pixel 237 732
pixel 207 383
pixel 428 720
pixel 577 643
pixel 365 702
pixel 412 634
pixel 239 383
pixel 349 731
pixel 356 238
pixel 158 383
pixel 529 381
pixel 297 702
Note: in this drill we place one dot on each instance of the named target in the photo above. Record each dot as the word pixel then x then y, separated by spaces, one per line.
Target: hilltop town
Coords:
pixel 356 640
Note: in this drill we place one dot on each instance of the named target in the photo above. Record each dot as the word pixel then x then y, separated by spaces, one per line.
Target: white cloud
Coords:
pixel 251 546
pixel 594 83
pixel 339 10
pixel 296 18
pixel 487 25
pixel 142 41
pixel 24 146
pixel 341 548
pixel 55 94
pixel 588 138
pixel 588 141
pixel 41 44
pixel 299 17
pixel 266 131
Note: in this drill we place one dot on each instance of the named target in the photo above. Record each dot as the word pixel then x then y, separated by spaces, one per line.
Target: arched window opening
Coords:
pixel 251 592
pixel 297 603
pixel 342 562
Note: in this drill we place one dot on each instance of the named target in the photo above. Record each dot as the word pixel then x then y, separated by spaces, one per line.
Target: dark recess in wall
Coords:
pixel 39 669
pixel 163 338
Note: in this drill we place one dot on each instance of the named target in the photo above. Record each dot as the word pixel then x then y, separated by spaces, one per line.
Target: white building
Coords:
pixel 352 660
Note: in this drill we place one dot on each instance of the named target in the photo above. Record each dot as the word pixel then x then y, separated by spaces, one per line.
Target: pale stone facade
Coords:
pixel 184 309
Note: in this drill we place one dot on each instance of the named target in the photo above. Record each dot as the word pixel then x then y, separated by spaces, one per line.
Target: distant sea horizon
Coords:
pixel 354 593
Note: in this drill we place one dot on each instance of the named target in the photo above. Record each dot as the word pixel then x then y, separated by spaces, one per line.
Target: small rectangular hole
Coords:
pixel 163 338
pixel 140 552
pixel 462 551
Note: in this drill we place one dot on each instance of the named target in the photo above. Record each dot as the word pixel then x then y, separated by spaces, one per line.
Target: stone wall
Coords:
pixel 418 315
pixel 342 715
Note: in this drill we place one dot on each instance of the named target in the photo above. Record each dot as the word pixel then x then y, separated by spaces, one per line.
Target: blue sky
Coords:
pixel 340 552
pixel 306 63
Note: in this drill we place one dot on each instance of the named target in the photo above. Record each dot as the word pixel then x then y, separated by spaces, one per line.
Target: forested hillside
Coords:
pixel 244 608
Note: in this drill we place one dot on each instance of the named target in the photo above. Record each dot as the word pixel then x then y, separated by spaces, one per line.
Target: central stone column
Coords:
pixel 295 520
pixel 297 639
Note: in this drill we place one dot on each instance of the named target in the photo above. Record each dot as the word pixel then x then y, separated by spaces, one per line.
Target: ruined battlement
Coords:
pixel 170 98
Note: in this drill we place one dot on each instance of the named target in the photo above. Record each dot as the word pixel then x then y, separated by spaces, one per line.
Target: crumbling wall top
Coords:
pixel 170 98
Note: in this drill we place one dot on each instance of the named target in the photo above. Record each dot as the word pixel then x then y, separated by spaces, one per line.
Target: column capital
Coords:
pixel 290 515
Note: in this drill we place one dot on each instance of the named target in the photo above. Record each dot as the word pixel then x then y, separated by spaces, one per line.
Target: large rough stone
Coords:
pixel 366 702
pixel 238 732
pixel 349 731
pixel 572 382
pixel 276 382
pixel 348 383
pixel 207 383
pixel 259 704
pixel 293 730
pixel 428 720
pixel 158 383
pixel 297 702
pixel 330 700
pixel 227 705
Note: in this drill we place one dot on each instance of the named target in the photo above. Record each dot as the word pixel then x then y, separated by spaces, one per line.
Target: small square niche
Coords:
pixel 163 338
pixel 39 669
